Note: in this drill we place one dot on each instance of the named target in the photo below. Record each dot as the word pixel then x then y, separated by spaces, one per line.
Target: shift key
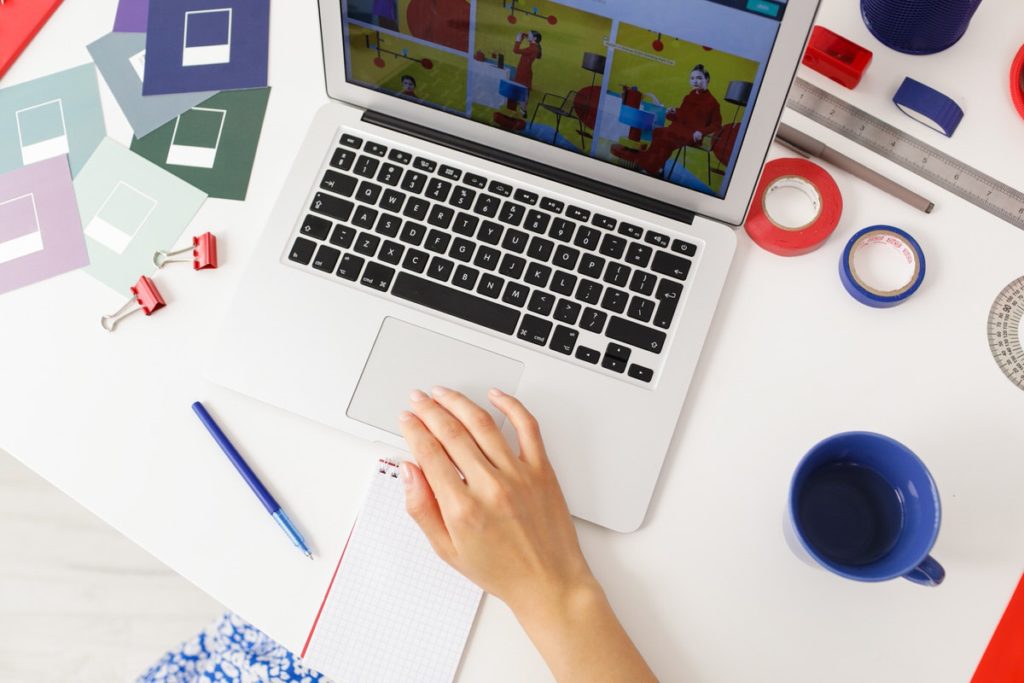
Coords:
pixel 329 205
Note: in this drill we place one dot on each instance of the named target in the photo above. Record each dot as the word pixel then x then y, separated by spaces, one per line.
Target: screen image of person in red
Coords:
pixel 528 54
pixel 698 115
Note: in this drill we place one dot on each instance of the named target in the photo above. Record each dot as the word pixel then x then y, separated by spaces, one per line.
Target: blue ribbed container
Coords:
pixel 918 27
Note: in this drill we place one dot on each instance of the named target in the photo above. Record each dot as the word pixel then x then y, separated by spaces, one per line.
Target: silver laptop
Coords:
pixel 539 196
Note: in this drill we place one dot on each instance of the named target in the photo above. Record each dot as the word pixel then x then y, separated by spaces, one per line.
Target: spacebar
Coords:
pixel 453 302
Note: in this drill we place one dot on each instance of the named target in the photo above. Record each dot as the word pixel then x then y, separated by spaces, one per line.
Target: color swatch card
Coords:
pixel 394 610
pixel 194 45
pixel 130 209
pixel 121 59
pixel 40 231
pixel 19 23
pixel 132 16
pixel 49 117
pixel 213 145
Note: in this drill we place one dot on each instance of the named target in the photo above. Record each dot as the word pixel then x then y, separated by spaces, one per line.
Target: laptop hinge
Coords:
pixel 529 166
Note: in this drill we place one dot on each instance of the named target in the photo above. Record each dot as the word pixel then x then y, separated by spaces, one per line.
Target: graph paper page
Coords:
pixel 395 611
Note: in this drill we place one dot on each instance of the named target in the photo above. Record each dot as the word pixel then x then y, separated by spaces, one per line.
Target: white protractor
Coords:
pixel 1004 331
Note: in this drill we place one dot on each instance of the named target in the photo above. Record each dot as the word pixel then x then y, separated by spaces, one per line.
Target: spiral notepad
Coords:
pixel 394 611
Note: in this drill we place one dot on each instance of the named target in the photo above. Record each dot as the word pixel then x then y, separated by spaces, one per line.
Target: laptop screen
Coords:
pixel 661 87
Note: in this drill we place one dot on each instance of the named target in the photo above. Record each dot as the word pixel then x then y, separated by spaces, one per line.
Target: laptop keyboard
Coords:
pixel 585 286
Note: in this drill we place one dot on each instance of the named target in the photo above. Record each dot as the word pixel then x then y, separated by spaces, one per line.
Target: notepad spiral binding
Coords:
pixel 388 467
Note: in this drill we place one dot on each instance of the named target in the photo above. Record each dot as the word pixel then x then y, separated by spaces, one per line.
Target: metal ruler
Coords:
pixel 1004 331
pixel 892 143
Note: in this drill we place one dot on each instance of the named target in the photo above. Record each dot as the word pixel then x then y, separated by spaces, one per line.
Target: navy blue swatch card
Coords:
pixel 194 45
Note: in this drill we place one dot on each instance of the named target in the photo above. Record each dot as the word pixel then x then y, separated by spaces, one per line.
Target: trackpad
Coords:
pixel 407 357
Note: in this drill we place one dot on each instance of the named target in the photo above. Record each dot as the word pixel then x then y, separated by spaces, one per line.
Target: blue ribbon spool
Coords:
pixel 889 237
pixel 918 27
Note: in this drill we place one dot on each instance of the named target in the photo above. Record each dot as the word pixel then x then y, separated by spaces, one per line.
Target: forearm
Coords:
pixel 581 639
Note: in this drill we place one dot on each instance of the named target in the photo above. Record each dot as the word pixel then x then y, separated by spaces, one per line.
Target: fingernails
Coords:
pixel 439 391
pixel 495 392
pixel 406 473
pixel 416 396
pixel 404 416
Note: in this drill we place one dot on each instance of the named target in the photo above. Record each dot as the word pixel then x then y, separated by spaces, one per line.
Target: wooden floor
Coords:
pixel 79 603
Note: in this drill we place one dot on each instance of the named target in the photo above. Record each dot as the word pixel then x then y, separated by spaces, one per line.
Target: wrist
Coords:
pixel 563 603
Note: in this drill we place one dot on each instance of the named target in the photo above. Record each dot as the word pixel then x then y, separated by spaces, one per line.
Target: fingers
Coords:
pixel 423 508
pixel 531 446
pixel 480 425
pixel 438 469
pixel 453 437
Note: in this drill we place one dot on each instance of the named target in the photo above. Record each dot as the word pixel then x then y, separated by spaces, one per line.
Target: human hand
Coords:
pixel 697 136
pixel 504 524
pixel 671 112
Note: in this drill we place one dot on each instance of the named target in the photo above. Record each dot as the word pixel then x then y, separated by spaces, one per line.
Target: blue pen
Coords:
pixel 250 478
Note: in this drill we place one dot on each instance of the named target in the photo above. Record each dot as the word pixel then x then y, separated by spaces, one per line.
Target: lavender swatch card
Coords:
pixel 40 229
pixel 132 16
pixel 196 45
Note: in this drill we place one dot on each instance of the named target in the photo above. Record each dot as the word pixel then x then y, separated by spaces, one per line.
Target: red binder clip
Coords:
pixel 204 253
pixel 145 297
pixel 836 57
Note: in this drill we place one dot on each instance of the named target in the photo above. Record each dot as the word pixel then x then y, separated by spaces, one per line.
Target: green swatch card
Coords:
pixel 212 145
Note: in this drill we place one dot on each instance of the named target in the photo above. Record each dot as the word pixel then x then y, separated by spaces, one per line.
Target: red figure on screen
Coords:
pixel 527 56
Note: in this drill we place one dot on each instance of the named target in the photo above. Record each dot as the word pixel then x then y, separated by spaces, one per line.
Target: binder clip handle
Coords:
pixel 145 297
pixel 203 250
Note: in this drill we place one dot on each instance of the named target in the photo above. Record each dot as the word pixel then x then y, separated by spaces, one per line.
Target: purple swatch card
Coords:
pixel 40 229
pixel 132 16
pixel 194 45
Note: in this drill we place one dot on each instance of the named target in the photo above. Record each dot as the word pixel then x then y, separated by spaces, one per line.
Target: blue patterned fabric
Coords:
pixel 230 650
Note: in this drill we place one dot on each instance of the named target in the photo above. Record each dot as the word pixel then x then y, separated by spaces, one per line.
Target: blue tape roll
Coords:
pixel 893 238
pixel 918 27
pixel 928 106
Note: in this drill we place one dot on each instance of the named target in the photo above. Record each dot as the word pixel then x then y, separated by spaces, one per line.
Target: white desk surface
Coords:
pixel 707 587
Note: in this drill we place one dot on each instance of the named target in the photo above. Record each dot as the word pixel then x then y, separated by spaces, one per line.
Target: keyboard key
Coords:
pixel 462 198
pixel 684 248
pixel 526 197
pixel 578 213
pixel 657 239
pixel 490 232
pixel 338 209
pixel 441 216
pixel 474 180
pixel 635 334
pixel 537 274
pixel 487 205
pixel 352 141
pixel 377 276
pixel 366 167
pixel 630 230
pixel 613 246
pixel 343 236
pixel 512 266
pixel 364 217
pixel 587 238
pixel 487 258
pixel 368 192
pixel 562 230
pixel 326 258
pixel 500 188
pixel 389 225
pixel 564 340
pixel 399 156
pixel 541 302
pixel 566 257
pixel 540 249
pixel 613 363
pixel 440 268
pixel 589 291
pixel 536 221
pixel 350 266
pixel 438 189
pixel 425 164
pixel 392 200
pixel 413 233
pixel 639 254
pixel 588 355
pixel 302 251
pixel 515 241
pixel 668 296
pixel 338 183
pixel 592 266
pixel 343 159
pixel 614 300
pixel 490 285
pixel 391 252
pixel 602 221
pixel 376 149
pixel 366 244
pixel 617 274
pixel 450 172
pixel 641 373
pixel 512 213
pixel 552 205
pixel 465 224
pixel 567 311
pixel 416 208
pixel 414 182
pixel 465 277
pixel 563 283
pixel 462 250
pixel 671 265
pixel 515 294
pixel 640 309
pixel 454 302
pixel 593 320
pixel 534 330
pixel 642 282
pixel 317 228
pixel 415 260
pixel 390 174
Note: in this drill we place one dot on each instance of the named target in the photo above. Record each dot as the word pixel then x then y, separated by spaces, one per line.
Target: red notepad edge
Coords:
pixel 1003 661
pixel 26 38
pixel 323 602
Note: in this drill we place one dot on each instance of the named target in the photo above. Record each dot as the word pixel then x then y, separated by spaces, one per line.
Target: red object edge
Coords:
pixel 329 586
pixel 1003 661
pixel 838 58
pixel 27 38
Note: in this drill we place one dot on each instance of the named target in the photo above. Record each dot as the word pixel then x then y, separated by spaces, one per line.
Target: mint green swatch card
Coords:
pixel 130 209
pixel 213 144
pixel 49 117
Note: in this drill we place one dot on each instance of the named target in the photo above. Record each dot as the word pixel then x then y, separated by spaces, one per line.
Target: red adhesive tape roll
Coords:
pixel 1017 82
pixel 820 189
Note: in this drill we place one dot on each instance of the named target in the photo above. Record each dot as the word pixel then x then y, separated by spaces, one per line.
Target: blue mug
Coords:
pixel 865 507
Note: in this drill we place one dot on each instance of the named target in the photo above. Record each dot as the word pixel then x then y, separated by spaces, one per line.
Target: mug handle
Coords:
pixel 928 573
